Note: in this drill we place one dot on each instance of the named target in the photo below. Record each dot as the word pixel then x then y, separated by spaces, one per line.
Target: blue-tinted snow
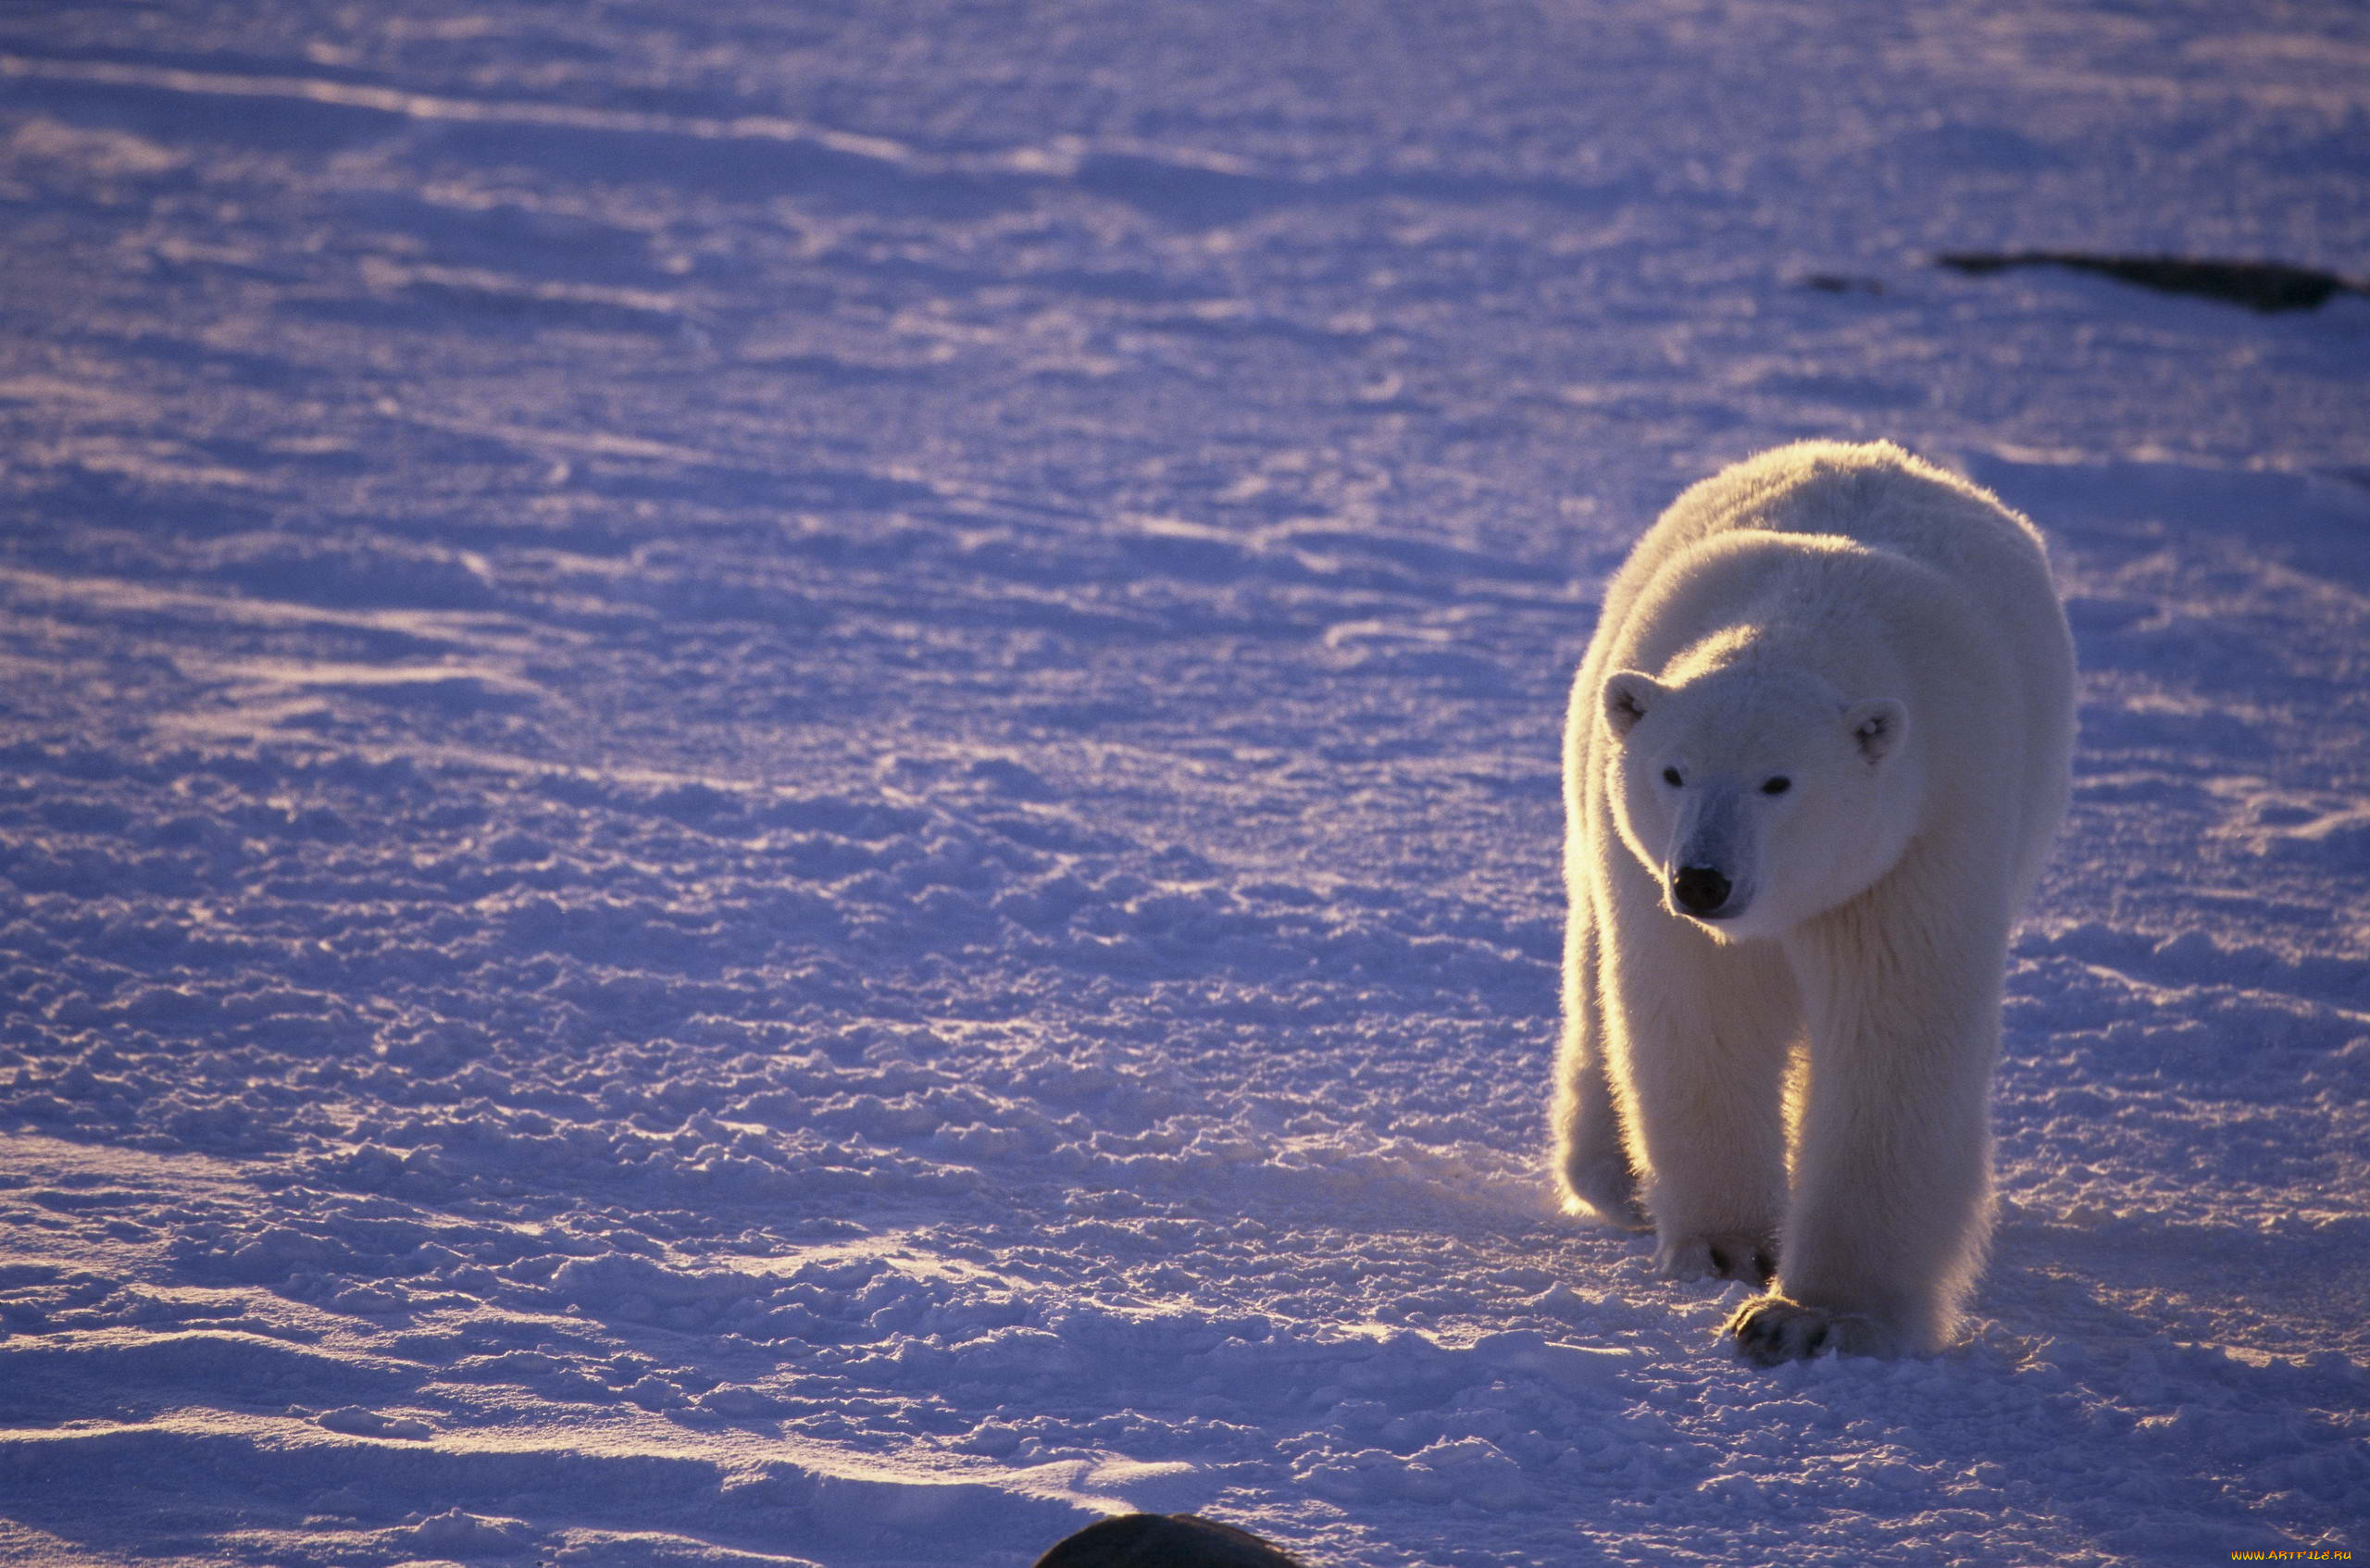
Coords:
pixel 777 782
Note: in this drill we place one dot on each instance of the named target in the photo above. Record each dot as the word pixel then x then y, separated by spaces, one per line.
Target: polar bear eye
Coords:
pixel 1776 786
pixel 1670 777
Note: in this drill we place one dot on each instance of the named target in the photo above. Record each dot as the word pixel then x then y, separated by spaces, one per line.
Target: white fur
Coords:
pixel 1883 636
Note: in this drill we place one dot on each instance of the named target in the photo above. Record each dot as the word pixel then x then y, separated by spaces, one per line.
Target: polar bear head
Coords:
pixel 1758 797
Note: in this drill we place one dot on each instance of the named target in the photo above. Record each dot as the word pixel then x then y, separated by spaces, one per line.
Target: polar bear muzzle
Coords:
pixel 1714 851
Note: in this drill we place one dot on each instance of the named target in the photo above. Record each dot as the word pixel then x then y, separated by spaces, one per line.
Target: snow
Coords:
pixel 777 782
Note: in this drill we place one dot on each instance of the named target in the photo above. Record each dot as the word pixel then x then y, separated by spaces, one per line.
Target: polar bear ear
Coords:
pixel 1876 727
pixel 1627 696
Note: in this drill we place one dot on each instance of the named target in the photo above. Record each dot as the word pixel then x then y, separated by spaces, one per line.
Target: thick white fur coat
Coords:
pixel 1813 760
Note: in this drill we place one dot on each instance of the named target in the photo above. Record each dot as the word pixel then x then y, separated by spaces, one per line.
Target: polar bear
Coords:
pixel 1813 760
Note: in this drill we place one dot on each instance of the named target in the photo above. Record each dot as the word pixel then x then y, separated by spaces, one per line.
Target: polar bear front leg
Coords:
pixel 1893 1159
pixel 1697 1034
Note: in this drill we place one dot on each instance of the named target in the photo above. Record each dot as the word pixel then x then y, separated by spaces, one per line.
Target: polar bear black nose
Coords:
pixel 1699 890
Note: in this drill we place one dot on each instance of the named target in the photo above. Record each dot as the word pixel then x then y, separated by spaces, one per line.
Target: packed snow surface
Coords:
pixel 778 781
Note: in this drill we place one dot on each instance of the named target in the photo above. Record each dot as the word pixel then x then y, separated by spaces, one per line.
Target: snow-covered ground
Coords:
pixel 778 781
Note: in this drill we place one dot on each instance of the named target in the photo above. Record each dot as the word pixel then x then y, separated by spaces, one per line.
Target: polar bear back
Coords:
pixel 1874 494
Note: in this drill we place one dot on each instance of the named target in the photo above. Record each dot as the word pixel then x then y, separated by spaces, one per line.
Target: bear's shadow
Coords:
pixel 2128 1279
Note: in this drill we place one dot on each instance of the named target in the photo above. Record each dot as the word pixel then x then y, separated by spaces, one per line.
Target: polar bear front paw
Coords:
pixel 1746 1255
pixel 1771 1330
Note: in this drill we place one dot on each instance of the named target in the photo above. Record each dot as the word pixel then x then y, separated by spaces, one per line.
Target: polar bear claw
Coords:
pixel 1771 1331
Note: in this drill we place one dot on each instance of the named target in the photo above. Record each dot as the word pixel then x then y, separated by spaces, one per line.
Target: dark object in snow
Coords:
pixel 1164 1540
pixel 2266 286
